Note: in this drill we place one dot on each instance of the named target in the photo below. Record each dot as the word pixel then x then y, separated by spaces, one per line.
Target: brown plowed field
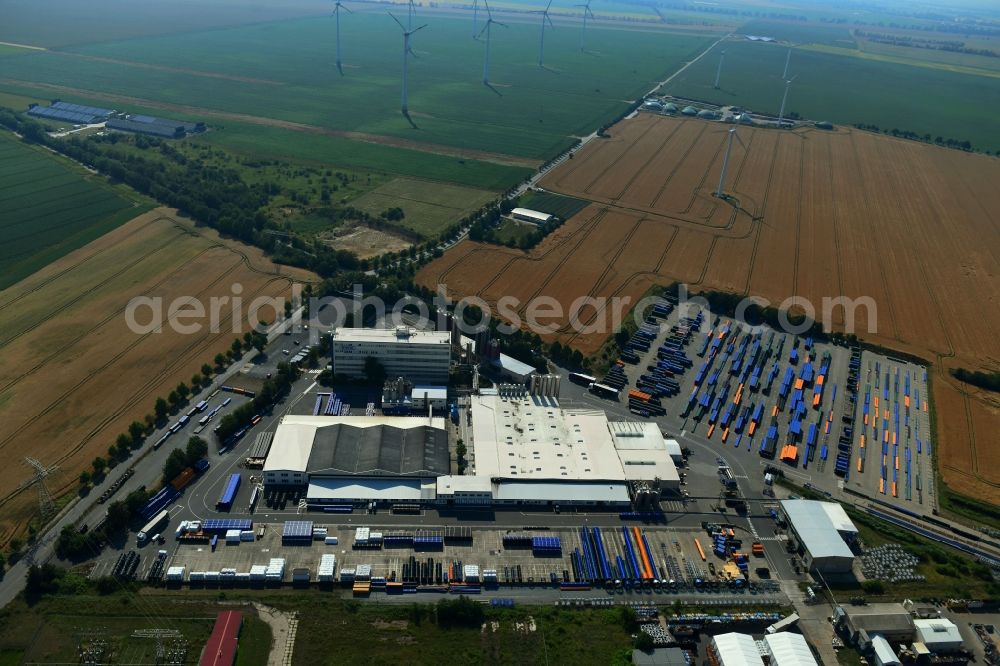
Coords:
pixel 820 214
pixel 74 375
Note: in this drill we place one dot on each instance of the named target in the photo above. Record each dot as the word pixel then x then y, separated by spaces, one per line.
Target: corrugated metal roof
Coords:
pixel 788 649
pixel 883 651
pixel 938 632
pixel 513 366
pixel 407 490
pixel 818 533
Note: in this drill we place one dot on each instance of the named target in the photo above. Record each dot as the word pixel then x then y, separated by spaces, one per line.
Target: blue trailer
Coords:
pixel 225 502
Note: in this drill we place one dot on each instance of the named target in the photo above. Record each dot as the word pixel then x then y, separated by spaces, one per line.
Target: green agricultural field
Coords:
pixel 800 32
pixel 49 207
pixel 849 90
pixel 429 210
pixel 559 205
pixel 284 71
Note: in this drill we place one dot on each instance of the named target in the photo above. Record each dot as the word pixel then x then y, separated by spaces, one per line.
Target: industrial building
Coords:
pixel 401 397
pixel 863 623
pixel 734 649
pixel 788 649
pixel 77 114
pixel 822 531
pixel 883 653
pixel 358 458
pixel 419 356
pixel 528 215
pixel 938 635
pixel 511 369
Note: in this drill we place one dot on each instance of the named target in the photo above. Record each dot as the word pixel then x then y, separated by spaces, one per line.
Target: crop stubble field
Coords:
pixel 821 214
pixel 74 375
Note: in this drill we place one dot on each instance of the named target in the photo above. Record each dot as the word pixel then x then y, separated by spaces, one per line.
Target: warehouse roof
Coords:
pixel 788 649
pixel 878 618
pixel 360 445
pixel 734 649
pixel 561 491
pixel 937 631
pixel 386 490
pixel 513 366
pixel 819 526
pixel 883 651
pixel 432 392
pixel 531 214
pixel 643 452
pixel 524 439
pixel 400 334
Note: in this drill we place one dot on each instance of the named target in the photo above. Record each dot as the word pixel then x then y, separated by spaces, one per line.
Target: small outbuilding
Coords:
pixel 939 635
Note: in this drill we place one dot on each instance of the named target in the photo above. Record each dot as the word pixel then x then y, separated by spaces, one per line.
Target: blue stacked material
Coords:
pixel 229 493
pixel 428 542
pixel 546 545
pixel 159 501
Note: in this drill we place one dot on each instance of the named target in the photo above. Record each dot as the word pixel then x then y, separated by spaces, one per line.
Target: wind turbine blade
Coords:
pixel 489 12
pixel 547 6
pixel 502 25
pixel 485 28
pixel 397 21
pixel 420 28
pixel 346 9
pixel 549 19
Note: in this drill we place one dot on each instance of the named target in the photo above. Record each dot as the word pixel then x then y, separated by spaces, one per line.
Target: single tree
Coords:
pixel 206 370
pixel 137 431
pixel 183 391
pixel 99 464
pixel 196 379
pixel 161 408
pixel 173 398
pixel 84 478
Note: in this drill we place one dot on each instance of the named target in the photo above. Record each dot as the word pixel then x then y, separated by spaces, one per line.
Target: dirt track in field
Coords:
pixel 74 376
pixel 819 214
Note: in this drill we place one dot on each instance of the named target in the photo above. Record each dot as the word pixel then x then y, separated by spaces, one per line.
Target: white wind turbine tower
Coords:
pixel 718 72
pixel 338 5
pixel 475 19
pixel 784 98
pixel 406 61
pixel 788 59
pixel 586 14
pixel 488 29
pixel 721 192
pixel 541 44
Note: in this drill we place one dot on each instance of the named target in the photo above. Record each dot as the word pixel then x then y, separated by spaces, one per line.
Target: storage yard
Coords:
pixel 803 226
pixel 464 559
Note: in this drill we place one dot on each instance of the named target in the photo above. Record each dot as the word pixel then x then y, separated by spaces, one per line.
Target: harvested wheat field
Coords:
pixel 74 375
pixel 818 214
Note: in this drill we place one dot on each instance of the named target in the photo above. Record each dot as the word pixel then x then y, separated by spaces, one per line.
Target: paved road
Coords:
pixel 147 464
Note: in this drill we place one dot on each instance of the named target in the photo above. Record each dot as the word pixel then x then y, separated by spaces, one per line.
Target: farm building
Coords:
pixel 528 215
pixel 883 653
pixel 77 114
pixel 419 356
pixel 220 650
pixel 351 458
pixel 822 530
pixel 161 127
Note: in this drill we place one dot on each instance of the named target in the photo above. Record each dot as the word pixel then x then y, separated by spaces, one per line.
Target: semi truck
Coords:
pixel 154 526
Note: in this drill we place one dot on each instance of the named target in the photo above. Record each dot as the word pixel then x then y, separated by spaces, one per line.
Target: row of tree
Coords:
pixel 926 137
pixel 271 391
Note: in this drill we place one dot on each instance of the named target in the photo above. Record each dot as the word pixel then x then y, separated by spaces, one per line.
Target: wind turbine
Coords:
pixel 475 19
pixel 788 59
pixel 718 72
pixel 338 5
pixel 486 60
pixel 406 61
pixel 541 44
pixel 586 13
pixel 720 193
pixel 784 98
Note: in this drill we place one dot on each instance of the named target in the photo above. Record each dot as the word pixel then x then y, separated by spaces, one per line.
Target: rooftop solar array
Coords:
pixel 79 108
pixel 225 524
pixel 60 114
pixel 297 529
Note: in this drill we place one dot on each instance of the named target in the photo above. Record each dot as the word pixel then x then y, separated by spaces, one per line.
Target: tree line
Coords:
pixel 984 380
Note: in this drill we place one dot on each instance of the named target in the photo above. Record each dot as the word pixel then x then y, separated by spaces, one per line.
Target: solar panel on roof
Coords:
pixel 297 528
pixel 220 524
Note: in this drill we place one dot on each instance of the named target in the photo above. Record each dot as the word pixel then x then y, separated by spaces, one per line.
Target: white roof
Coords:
pixel 451 484
pixel 788 649
pixel 527 212
pixel 512 365
pixel 673 448
pixel 432 392
pixel 529 440
pixel 818 525
pixel 558 491
pixel 883 651
pixel 400 334
pixel 642 452
pixel 367 489
pixel 293 439
pixel 734 649
pixel 938 632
